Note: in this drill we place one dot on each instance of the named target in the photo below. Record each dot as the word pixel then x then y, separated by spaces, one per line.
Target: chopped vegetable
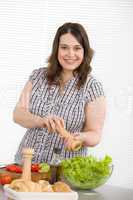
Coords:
pixel 35 167
pixel 14 168
pixel 5 179
pixel 44 167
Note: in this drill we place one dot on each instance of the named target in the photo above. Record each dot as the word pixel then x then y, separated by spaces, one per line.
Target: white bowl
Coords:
pixel 39 195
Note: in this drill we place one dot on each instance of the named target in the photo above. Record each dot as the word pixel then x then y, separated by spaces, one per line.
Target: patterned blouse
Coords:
pixel 70 106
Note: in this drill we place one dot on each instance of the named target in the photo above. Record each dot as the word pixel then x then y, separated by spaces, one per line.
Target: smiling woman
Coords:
pixel 62 104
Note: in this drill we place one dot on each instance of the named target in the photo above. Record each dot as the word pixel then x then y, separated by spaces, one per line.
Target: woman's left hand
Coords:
pixel 71 142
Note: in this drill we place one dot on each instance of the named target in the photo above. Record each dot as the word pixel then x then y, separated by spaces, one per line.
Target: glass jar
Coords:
pixel 55 166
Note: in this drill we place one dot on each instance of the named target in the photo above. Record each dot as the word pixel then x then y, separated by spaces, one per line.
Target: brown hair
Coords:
pixel 54 67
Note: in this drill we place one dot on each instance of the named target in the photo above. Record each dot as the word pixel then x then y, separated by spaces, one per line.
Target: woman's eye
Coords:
pixel 77 48
pixel 63 47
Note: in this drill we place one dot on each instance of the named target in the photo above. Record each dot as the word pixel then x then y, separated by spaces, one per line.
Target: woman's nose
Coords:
pixel 71 52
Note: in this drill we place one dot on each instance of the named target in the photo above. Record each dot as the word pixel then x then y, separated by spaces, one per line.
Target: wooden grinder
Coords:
pixel 76 144
pixel 24 184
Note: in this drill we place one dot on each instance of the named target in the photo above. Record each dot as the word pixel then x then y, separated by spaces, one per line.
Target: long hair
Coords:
pixel 54 67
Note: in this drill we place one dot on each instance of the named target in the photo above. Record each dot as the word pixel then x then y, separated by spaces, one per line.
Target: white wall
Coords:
pixel 27 29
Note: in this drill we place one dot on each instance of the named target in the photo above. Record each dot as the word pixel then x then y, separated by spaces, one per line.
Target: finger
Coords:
pixel 49 127
pixel 57 124
pixel 66 139
pixel 68 144
pixel 69 147
pixel 62 122
pixel 52 124
pixel 56 120
pixel 46 121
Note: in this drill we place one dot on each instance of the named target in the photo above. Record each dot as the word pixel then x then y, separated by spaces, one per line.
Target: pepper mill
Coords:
pixel 76 145
pixel 27 158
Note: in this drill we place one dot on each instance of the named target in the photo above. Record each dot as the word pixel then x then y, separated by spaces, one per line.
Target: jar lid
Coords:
pixel 57 150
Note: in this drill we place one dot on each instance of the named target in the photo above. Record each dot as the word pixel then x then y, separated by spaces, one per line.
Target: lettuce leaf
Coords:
pixel 89 171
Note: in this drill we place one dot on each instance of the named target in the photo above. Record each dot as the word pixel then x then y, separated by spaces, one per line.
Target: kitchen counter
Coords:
pixel 106 192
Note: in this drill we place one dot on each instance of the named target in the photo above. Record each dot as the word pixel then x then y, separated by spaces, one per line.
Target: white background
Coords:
pixel 27 28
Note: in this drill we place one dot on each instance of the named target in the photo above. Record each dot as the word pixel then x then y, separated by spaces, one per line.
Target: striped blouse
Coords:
pixel 70 106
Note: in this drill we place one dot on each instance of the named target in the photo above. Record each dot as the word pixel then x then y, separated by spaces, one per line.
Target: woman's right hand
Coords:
pixel 49 122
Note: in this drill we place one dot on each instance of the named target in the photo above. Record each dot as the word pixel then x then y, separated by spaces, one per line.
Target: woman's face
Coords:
pixel 70 52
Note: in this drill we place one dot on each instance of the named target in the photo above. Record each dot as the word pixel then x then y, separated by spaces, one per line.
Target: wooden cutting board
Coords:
pixel 35 176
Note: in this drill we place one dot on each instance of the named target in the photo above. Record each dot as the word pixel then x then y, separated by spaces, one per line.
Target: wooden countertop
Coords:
pixel 35 176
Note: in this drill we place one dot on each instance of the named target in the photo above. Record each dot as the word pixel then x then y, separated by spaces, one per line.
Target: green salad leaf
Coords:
pixel 44 167
pixel 87 171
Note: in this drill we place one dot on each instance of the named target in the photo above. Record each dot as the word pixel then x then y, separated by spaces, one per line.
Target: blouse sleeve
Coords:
pixel 94 89
pixel 36 75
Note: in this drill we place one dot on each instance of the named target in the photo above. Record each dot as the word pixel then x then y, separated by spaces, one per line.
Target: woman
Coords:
pixel 64 97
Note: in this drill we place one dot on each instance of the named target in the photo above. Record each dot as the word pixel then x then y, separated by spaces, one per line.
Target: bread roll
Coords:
pixel 45 186
pixel 61 187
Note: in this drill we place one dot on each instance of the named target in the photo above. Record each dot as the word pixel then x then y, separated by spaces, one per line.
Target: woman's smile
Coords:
pixel 70 61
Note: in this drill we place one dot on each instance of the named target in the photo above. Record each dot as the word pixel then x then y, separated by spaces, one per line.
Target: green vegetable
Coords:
pixel 44 167
pixel 87 172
